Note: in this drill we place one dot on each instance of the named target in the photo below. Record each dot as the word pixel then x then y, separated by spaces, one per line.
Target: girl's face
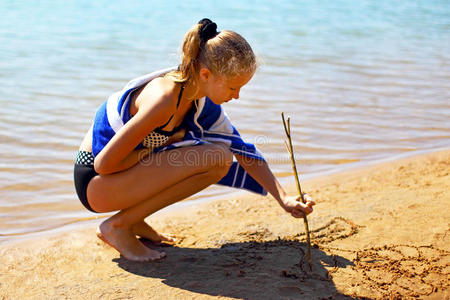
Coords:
pixel 221 89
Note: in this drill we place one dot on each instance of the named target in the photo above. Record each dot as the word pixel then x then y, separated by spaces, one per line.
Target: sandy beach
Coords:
pixel 378 232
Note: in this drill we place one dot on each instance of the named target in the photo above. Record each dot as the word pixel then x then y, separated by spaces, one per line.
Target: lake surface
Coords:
pixel 362 81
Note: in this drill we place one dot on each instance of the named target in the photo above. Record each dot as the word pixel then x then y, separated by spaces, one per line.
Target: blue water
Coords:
pixel 362 81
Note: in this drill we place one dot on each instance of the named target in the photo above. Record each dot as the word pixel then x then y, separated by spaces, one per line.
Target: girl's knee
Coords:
pixel 223 158
pixel 220 156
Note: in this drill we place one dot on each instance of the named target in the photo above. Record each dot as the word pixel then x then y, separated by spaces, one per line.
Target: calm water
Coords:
pixel 361 80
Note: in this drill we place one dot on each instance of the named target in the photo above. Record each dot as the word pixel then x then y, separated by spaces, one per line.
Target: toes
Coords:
pixel 157 256
pixel 168 238
pixel 151 256
pixel 99 233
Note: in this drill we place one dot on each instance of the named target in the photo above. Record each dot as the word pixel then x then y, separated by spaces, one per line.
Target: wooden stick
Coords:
pixel 287 129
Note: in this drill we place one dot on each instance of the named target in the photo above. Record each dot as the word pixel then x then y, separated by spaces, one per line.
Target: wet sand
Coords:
pixel 378 232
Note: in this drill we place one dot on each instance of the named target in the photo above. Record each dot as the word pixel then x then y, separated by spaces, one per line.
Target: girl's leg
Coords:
pixel 156 173
pixel 117 232
pixel 211 164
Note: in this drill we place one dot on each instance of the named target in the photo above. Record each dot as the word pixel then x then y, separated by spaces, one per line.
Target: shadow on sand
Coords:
pixel 248 270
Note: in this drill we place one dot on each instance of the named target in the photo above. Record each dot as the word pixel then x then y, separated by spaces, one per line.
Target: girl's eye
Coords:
pixel 232 89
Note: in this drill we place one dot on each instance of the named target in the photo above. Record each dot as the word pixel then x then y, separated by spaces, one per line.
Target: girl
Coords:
pixel 164 137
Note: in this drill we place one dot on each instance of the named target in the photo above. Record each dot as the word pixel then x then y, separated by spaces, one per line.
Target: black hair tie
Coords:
pixel 208 30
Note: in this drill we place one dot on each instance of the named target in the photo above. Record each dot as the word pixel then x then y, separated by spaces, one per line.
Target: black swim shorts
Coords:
pixel 83 173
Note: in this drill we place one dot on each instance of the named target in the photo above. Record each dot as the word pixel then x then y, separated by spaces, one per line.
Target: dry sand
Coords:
pixel 378 232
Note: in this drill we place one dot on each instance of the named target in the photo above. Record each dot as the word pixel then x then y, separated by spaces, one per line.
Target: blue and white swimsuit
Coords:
pixel 207 122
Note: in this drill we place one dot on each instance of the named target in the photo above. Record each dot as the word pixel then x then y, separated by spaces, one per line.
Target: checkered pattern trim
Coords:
pixel 154 140
pixel 84 158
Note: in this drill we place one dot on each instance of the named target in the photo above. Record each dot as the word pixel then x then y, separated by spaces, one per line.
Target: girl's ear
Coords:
pixel 205 74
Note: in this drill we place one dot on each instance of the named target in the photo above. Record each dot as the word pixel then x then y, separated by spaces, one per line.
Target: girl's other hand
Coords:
pixel 294 205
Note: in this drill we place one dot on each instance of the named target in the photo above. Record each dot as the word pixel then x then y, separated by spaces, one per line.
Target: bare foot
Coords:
pixel 124 240
pixel 144 230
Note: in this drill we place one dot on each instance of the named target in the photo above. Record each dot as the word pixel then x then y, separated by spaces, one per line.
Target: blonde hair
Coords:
pixel 227 54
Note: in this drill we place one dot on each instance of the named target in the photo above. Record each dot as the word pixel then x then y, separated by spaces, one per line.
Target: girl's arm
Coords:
pixel 137 155
pixel 155 107
pixel 261 172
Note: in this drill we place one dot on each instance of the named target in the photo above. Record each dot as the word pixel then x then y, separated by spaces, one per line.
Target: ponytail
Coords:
pixel 190 49
pixel 225 53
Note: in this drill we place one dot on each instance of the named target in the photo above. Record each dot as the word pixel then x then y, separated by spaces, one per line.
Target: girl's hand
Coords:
pixel 294 205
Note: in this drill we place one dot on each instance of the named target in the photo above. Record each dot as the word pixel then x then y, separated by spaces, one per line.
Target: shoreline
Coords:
pixel 378 231
pixel 80 223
